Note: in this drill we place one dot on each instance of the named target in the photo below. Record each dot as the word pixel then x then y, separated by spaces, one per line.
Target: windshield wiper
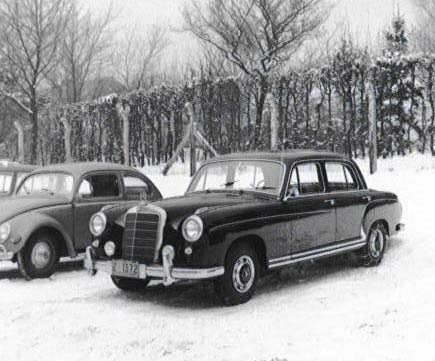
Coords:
pixel 47 190
pixel 229 184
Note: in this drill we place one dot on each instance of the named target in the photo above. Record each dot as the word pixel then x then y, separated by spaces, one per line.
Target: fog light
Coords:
pixel 110 248
pixel 96 243
pixel 188 251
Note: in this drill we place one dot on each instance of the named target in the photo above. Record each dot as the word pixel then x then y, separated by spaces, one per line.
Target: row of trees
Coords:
pixel 247 77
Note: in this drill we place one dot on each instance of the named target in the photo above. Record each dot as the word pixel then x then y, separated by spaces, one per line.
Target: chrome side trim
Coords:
pixel 320 252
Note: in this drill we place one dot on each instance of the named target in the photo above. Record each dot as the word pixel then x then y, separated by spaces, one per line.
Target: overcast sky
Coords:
pixel 365 18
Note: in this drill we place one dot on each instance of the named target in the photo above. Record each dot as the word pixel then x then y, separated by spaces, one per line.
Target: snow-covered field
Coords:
pixel 326 311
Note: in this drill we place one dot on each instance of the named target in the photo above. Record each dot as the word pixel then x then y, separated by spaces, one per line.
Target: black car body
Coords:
pixel 254 212
pixel 48 216
pixel 10 176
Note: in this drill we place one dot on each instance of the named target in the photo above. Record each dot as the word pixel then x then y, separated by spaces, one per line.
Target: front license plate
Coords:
pixel 123 268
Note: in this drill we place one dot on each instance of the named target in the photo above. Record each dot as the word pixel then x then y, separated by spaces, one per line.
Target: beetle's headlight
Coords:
pixel 109 248
pixel 97 224
pixel 192 228
pixel 5 232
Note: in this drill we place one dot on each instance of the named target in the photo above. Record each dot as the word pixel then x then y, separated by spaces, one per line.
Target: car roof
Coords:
pixel 287 156
pixel 80 168
pixel 16 167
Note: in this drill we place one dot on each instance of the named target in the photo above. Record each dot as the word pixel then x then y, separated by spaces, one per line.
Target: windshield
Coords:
pixel 246 175
pixel 52 183
pixel 5 182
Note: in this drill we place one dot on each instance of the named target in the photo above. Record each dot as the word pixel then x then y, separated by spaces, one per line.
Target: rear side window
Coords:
pixel 135 187
pixel 5 182
pixel 100 186
pixel 305 179
pixel 340 177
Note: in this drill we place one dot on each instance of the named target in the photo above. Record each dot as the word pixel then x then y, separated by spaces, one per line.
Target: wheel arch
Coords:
pixel 257 243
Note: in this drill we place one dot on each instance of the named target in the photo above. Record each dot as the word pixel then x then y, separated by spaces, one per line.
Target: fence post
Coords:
pixel 20 129
pixel 67 139
pixel 123 112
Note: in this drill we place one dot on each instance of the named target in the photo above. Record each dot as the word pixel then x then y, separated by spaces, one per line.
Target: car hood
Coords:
pixel 14 206
pixel 179 208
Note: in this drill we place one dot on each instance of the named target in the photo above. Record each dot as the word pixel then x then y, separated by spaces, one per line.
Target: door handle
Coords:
pixel 330 201
pixel 367 198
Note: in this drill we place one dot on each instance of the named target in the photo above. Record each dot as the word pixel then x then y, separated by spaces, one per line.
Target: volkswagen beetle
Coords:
pixel 48 216
pixel 243 215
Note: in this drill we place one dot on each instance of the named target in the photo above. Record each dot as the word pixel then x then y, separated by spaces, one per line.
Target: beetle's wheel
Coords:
pixel 373 252
pixel 239 281
pixel 39 257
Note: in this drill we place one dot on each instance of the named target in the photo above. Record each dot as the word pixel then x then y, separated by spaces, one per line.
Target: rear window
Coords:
pixel 340 177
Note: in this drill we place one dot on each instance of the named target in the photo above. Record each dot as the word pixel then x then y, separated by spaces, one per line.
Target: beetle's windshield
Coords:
pixel 50 183
pixel 5 182
pixel 241 175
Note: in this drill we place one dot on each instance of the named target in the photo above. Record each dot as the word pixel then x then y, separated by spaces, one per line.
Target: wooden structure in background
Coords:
pixel 192 136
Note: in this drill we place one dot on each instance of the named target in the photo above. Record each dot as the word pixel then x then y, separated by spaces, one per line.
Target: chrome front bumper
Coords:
pixel 167 273
pixel 4 254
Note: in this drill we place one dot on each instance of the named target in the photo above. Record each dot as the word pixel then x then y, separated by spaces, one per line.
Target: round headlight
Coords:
pixel 5 231
pixel 109 248
pixel 192 228
pixel 97 224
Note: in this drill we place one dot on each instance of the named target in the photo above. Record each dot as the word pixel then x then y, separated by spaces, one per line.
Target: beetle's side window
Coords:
pixel 5 182
pixel 100 185
pixel 135 187
pixel 340 177
pixel 305 179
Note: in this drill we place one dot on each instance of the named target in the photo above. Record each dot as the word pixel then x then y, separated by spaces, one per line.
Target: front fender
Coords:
pixel 25 225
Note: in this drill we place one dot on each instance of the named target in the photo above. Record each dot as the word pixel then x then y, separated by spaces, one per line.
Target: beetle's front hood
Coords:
pixel 13 206
pixel 180 208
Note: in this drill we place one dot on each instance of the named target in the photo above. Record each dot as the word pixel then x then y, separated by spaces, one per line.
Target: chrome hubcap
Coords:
pixel 41 255
pixel 376 243
pixel 243 274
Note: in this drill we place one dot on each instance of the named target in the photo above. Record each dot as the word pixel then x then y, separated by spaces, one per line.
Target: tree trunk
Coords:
pixel 372 129
pixel 19 127
pixel 273 122
pixel 67 140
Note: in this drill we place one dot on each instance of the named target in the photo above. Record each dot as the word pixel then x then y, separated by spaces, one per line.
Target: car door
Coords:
pixel 94 191
pixel 313 223
pixel 350 199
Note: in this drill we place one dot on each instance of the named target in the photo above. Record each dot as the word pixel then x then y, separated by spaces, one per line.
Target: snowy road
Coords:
pixel 327 311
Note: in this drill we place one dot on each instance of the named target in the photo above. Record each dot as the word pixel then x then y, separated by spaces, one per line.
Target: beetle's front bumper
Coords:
pixel 4 254
pixel 166 272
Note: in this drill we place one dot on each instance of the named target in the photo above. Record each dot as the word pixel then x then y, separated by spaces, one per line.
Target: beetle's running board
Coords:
pixel 320 252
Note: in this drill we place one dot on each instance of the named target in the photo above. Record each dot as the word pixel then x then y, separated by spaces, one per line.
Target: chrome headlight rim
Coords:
pixel 103 218
pixel 200 224
pixel 5 232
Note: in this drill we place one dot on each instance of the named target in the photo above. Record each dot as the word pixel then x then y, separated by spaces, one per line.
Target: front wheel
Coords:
pixel 130 284
pixel 239 281
pixel 372 254
pixel 39 257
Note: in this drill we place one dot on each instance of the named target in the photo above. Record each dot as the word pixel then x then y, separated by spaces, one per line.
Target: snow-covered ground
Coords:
pixel 326 311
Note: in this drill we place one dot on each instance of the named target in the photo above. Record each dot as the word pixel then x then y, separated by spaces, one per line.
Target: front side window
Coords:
pixel 305 179
pixel 53 183
pixel 100 186
pixel 340 177
pixel 5 182
pixel 239 175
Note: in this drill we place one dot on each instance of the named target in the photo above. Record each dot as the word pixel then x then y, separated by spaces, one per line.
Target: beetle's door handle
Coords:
pixel 330 201
pixel 367 198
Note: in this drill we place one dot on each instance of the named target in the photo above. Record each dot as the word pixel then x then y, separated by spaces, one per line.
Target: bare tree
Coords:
pixel 424 31
pixel 258 36
pixel 138 55
pixel 30 34
pixel 83 49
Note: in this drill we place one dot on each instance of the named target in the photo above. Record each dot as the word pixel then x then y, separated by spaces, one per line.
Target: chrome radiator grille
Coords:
pixel 140 239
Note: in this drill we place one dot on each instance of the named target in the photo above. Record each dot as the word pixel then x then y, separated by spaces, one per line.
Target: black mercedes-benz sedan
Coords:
pixel 48 216
pixel 243 215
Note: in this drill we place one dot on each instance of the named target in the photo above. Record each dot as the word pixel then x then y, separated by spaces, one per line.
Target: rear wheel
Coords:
pixel 239 281
pixel 130 284
pixel 40 257
pixel 372 254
